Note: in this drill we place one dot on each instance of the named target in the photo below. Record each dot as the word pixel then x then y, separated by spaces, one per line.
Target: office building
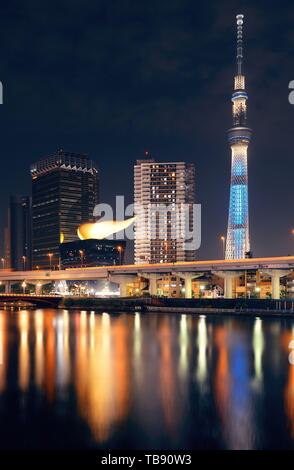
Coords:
pixel 65 188
pixel 20 232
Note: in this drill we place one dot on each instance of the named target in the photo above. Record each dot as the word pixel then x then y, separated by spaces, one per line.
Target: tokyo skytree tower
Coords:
pixel 237 241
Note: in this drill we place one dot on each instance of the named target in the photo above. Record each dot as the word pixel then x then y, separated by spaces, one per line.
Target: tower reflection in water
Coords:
pixel 164 374
pixel 232 387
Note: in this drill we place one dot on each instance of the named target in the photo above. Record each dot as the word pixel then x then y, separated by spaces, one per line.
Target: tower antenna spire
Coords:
pixel 239 20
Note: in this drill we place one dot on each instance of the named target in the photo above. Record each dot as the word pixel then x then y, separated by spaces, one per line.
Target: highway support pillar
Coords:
pixel 152 278
pixel 276 275
pixel 188 278
pixel 122 280
pixel 228 277
pixel 7 287
pixel 38 288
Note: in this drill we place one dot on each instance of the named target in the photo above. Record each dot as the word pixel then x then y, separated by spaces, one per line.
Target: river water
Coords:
pixel 85 380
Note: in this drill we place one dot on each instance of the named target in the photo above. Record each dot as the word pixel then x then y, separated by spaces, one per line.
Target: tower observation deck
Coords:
pixel 239 135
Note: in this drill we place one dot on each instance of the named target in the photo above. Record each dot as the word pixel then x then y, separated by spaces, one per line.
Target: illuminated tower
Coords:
pixel 239 136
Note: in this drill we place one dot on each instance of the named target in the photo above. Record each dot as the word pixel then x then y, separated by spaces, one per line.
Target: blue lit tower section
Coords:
pixel 239 135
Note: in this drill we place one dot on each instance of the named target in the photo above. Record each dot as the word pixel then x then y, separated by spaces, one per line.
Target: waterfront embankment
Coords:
pixel 165 305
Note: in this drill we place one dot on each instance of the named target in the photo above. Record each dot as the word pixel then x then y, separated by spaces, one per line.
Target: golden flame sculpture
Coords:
pixel 99 230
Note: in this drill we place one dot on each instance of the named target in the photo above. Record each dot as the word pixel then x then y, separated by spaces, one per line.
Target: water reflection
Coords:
pixel 3 351
pixel 202 347
pixel 287 337
pixel 24 352
pixel 137 336
pixel 232 386
pixel 101 371
pixel 39 348
pixel 183 342
pixel 167 373
pixel 222 375
pixel 62 351
pixel 173 381
pixel 258 346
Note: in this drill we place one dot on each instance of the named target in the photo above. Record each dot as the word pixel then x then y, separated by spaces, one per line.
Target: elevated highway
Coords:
pixel 275 267
pixel 103 272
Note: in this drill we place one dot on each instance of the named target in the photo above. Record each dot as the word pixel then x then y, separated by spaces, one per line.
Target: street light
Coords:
pixel 3 263
pixel 119 248
pixel 223 240
pixel 50 255
pixel 24 285
pixel 24 260
pixel 82 257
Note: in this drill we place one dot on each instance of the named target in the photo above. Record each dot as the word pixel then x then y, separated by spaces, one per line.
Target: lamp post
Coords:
pixel 223 240
pixel 82 257
pixel 50 255
pixel 120 251
pixel 24 260
pixel 24 285
pixel 3 263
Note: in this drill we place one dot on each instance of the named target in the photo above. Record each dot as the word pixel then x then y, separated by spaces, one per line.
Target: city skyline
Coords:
pixel 147 263
pixel 188 114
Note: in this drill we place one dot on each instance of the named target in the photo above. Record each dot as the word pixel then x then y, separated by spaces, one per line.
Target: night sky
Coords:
pixel 113 78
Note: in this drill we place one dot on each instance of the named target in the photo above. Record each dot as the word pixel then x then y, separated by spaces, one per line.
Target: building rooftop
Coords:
pixel 67 160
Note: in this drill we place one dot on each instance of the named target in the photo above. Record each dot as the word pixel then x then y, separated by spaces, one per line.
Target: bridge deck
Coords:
pixel 103 272
pixel 38 300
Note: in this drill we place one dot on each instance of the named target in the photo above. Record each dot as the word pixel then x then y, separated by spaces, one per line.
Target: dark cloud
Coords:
pixel 111 78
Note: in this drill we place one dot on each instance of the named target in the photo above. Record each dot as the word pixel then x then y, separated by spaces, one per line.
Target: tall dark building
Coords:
pixel 20 232
pixel 65 189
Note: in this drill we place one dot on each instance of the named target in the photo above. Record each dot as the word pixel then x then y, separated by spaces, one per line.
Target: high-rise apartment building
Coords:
pixel 65 190
pixel 164 194
pixel 20 232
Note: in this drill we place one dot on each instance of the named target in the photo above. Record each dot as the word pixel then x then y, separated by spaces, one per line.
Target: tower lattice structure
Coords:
pixel 239 135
